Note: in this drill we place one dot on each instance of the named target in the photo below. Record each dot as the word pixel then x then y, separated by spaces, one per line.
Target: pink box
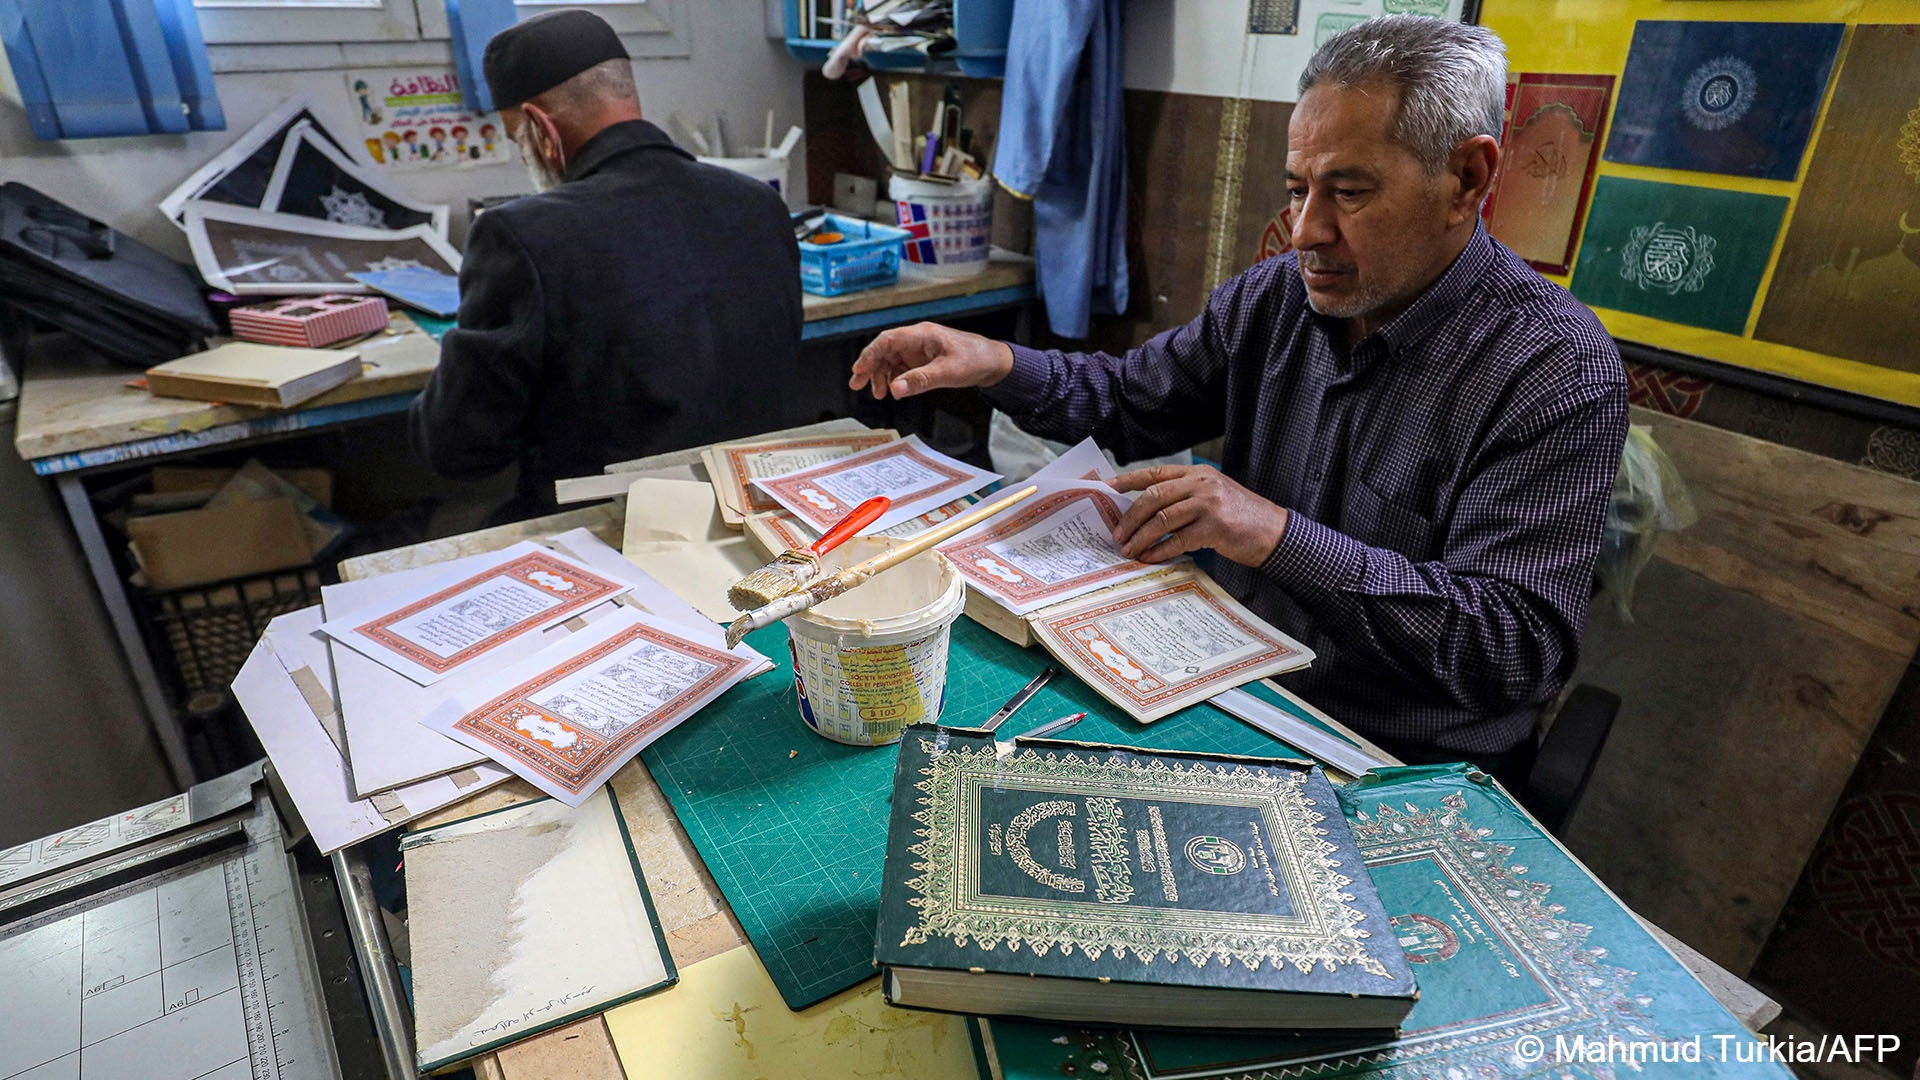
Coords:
pixel 309 321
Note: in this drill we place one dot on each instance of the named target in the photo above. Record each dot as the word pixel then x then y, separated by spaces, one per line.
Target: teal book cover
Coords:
pixel 1102 863
pixel 1527 967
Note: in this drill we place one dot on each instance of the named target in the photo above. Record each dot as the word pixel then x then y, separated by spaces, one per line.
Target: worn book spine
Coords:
pixel 1099 862
pixel 994 615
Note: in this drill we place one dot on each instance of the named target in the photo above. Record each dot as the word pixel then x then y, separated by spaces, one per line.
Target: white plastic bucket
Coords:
pixel 868 663
pixel 767 170
pixel 949 225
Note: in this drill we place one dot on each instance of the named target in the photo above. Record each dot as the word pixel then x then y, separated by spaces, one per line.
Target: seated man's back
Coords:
pixel 645 303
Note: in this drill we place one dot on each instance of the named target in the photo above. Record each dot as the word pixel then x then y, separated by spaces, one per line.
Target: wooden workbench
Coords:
pixel 77 412
pixel 693 912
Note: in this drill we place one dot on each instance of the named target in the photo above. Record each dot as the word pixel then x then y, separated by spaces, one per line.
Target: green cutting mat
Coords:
pixel 793 827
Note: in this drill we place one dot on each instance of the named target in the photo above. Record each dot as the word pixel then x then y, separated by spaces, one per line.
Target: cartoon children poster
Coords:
pixel 414 118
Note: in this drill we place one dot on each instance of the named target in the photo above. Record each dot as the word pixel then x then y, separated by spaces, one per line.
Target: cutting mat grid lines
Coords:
pixel 793 827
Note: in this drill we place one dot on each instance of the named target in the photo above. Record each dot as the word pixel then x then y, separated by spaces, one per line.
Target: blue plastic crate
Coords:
pixel 868 258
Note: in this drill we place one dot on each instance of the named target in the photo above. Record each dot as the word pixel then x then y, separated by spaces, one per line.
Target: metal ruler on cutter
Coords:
pixel 200 962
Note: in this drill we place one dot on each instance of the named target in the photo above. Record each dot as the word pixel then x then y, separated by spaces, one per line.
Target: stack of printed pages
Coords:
pixel 784 493
pixel 556 661
pixel 1152 639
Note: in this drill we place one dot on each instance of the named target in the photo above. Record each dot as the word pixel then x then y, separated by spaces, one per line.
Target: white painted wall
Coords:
pixel 1202 46
pixel 733 66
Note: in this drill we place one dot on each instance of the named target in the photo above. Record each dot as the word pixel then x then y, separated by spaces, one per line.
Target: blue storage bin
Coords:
pixel 868 258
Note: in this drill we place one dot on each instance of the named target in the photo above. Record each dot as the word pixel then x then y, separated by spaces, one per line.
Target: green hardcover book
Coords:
pixel 1528 968
pixel 1073 881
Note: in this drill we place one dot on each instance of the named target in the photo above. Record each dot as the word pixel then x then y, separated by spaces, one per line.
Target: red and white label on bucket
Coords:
pixel 867 695
pixel 946 233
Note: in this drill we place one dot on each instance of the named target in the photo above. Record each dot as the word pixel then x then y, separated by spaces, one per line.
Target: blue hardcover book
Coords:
pixel 1528 967
pixel 1075 881
pixel 431 291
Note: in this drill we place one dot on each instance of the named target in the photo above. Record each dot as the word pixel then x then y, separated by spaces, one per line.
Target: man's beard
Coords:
pixel 1370 297
pixel 537 170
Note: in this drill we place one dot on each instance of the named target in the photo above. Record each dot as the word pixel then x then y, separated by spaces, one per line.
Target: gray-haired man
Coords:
pixel 1421 433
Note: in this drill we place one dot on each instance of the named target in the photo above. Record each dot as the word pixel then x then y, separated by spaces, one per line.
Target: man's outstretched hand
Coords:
pixel 926 356
pixel 1185 508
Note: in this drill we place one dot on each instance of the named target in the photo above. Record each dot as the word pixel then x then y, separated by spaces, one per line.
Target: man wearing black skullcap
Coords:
pixel 640 302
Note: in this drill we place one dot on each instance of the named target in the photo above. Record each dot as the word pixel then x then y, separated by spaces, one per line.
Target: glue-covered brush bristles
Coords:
pixel 781 577
pixel 797 566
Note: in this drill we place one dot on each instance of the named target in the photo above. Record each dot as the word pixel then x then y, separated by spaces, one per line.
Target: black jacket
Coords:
pixel 648 303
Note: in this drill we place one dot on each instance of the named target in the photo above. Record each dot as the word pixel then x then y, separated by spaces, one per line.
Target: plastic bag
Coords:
pixel 1017 455
pixel 1649 498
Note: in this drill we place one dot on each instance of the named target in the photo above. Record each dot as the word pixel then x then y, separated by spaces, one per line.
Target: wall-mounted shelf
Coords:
pixel 980 30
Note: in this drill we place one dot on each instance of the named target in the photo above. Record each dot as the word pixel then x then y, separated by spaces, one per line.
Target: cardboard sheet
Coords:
pixel 675 533
pixel 726 1021
pixel 523 919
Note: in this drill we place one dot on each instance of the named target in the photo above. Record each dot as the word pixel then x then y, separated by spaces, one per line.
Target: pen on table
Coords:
pixel 1054 727
pixel 1013 703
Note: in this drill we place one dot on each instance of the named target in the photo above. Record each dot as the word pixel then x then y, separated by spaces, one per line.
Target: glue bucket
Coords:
pixel 868 663
pixel 949 225
pixel 767 170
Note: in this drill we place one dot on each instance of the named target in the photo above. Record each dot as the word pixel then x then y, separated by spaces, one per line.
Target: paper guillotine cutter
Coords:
pixel 166 941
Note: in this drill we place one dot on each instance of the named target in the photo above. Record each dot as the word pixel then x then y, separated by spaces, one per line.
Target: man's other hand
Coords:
pixel 926 356
pixel 1185 508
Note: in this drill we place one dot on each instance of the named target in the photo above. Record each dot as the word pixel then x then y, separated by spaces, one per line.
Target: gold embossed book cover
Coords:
pixel 1104 884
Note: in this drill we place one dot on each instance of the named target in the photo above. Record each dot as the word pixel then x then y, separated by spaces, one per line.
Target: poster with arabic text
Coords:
pixel 414 118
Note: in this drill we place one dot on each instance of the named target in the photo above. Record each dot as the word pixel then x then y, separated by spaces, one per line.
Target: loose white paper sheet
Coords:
pixel 647 593
pixel 916 477
pixel 1055 546
pixel 310 766
pixel 1158 645
pixel 1082 461
pixel 427 628
pixel 565 719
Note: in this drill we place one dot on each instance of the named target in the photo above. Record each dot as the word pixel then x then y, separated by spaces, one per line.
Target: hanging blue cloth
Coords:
pixel 472 23
pixel 1063 145
pixel 93 68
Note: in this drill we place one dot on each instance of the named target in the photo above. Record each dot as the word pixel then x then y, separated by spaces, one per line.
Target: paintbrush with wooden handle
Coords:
pixel 797 566
pixel 826 588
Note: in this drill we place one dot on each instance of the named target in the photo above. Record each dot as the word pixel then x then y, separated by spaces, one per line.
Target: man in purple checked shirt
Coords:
pixel 1421 433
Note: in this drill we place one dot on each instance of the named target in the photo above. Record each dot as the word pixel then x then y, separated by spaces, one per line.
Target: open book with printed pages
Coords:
pixel 1104 884
pixel 244 373
pixel 1160 643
